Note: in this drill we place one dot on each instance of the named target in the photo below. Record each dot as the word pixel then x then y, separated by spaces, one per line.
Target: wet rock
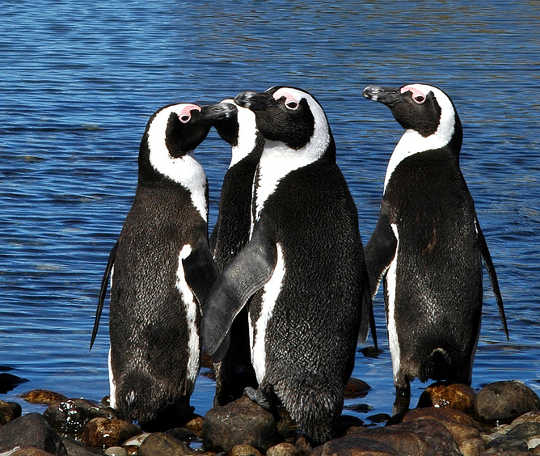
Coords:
pixel 379 418
pixel 131 450
pixel 520 437
pixel 239 422
pixel 456 396
pixel 346 422
pixel 31 430
pixel 504 401
pixel 356 388
pixel 9 382
pixel 183 434
pixel 354 445
pixel 442 415
pixel 9 411
pixel 137 440
pixel 282 449
pixel 75 449
pixel 30 451
pixel 69 417
pixel 115 451
pixel 195 425
pixel 40 396
pixel 244 450
pixel 107 432
pixel 161 444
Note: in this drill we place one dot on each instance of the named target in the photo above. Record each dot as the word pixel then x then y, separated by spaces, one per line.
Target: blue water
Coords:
pixel 80 79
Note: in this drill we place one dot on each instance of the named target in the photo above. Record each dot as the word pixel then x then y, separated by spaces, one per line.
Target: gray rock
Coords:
pixel 75 449
pixel 161 444
pixel 69 417
pixel 31 430
pixel 241 422
pixel 9 411
pixel 503 401
pixel 115 451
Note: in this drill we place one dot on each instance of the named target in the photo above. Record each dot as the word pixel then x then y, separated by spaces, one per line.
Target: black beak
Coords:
pixel 217 112
pixel 255 101
pixel 386 95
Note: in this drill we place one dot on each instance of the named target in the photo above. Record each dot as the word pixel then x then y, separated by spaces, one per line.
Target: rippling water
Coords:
pixel 79 80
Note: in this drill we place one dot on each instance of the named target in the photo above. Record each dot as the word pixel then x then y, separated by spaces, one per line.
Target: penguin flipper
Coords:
pixel 200 270
pixel 247 273
pixel 381 249
pixel 103 292
pixel 492 275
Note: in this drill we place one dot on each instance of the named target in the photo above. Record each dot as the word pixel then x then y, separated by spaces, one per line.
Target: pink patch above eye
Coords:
pixel 414 90
pixel 289 97
pixel 186 110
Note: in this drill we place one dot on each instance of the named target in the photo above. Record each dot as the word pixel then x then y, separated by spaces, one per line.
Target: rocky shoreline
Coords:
pixel 503 418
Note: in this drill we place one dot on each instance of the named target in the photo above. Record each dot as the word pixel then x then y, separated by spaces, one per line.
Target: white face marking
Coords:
pixel 278 159
pixel 184 170
pixel 270 294
pixel 191 309
pixel 112 384
pixel 413 142
pixel 247 133
pixel 391 319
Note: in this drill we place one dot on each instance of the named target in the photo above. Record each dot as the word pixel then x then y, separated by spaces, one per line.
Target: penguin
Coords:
pixel 161 271
pixel 237 126
pixel 303 267
pixel 428 245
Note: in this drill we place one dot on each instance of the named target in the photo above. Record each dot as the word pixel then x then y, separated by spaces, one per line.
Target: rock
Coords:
pixel 30 451
pixel 9 411
pixel 161 444
pixel 518 437
pixel 346 422
pixel 183 434
pixel 137 440
pixel 40 396
pixel 354 445
pixel 356 388
pixel 504 401
pixel 69 417
pixel 131 450
pixel 244 450
pixel 31 430
pixel 239 422
pixel 456 396
pixel 282 449
pixel 115 451
pixel 9 382
pixel 107 432
pixel 195 425
pixel 75 449
pixel 379 418
pixel 442 415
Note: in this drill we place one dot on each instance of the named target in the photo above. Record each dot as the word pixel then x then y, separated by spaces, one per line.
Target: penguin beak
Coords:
pixel 386 95
pixel 217 112
pixel 255 101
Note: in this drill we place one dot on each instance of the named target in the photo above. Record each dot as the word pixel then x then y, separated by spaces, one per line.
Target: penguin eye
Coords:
pixel 184 118
pixel 419 99
pixel 293 105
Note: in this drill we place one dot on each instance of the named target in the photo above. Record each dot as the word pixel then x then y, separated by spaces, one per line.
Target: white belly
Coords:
pixel 391 291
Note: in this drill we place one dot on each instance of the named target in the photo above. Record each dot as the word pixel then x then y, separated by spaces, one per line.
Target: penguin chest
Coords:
pixel 191 310
pixel 390 289
pixel 258 325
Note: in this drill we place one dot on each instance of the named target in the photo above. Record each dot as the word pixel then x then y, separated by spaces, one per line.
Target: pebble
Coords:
pixel 9 411
pixel 456 396
pixel 40 396
pixel 244 450
pixel 239 422
pixel 107 432
pixel 195 425
pixel 501 402
pixel 115 451
pixel 282 449
pixel 161 444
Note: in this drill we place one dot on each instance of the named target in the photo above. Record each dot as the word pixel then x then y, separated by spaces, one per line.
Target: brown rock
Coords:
pixel 161 444
pixel 40 396
pixel 132 450
pixel 356 388
pixel 9 411
pixel 354 445
pixel 472 447
pixel 31 451
pixel 74 448
pixel 282 449
pixel 399 438
pixel 504 401
pixel 456 396
pixel 244 450
pixel 106 432
pixel 441 415
pixel 195 425
pixel 239 422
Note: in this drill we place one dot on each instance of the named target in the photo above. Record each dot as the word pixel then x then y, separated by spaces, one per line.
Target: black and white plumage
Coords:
pixel 237 126
pixel 428 245
pixel 303 267
pixel 161 270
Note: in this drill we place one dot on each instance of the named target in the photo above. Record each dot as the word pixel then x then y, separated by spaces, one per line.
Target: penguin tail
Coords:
pixel 437 366
pixel 144 399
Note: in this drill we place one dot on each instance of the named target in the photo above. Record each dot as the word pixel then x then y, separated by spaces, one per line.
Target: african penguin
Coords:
pixel 163 270
pixel 428 245
pixel 303 267
pixel 236 125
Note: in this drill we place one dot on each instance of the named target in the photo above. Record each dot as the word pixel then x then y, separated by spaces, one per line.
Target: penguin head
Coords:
pixel 290 116
pixel 421 108
pixel 172 133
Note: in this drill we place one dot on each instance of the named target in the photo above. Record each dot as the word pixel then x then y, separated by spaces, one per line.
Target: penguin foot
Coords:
pixel 257 396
